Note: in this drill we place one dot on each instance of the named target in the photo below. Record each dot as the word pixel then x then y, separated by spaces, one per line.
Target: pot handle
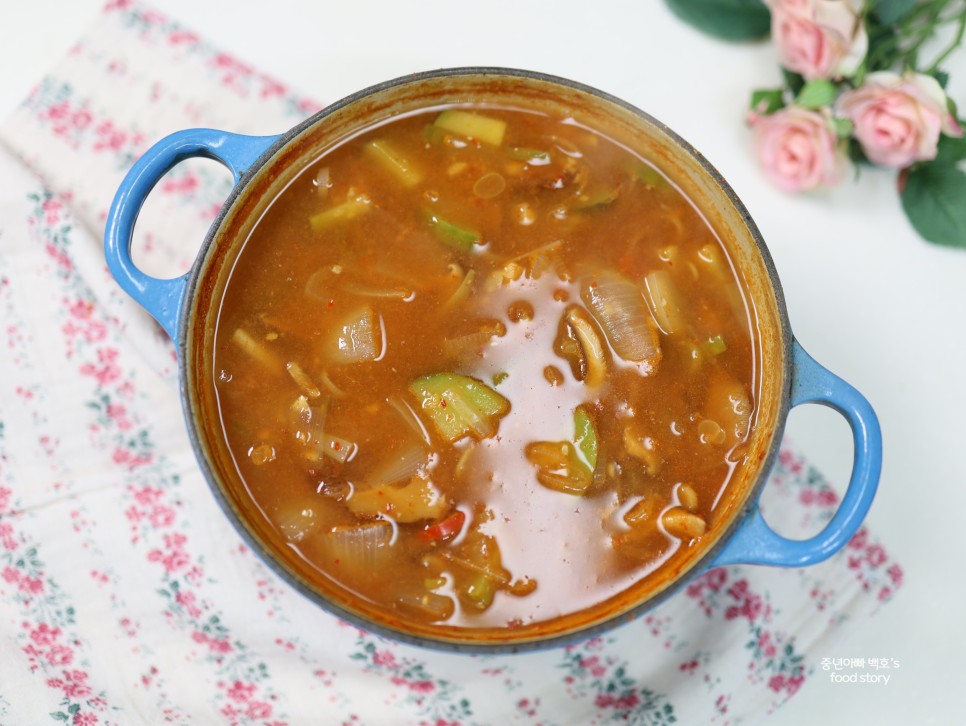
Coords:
pixel 163 298
pixel 755 542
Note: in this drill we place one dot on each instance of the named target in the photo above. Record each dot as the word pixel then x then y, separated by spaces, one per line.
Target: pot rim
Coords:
pixel 700 564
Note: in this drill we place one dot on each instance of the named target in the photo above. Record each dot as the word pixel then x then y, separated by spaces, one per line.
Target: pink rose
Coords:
pixel 818 38
pixel 798 148
pixel 898 119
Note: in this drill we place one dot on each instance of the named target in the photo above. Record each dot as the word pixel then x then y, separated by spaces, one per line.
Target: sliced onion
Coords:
pixel 497 574
pixel 358 548
pixel 301 412
pixel 302 379
pixel 255 348
pixel 473 343
pixel 712 259
pixel 462 292
pixel 317 416
pixel 262 454
pixel 300 416
pixel 567 147
pixel 410 418
pixel 309 424
pixel 339 449
pixel 323 182
pixel 330 386
pixel 398 467
pixel 359 337
pixel 321 282
pixel 428 606
pixel 665 301
pixel 364 290
pixel 618 306
pixel 296 519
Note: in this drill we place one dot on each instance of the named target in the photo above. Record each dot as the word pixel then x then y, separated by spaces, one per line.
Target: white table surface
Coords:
pixel 866 297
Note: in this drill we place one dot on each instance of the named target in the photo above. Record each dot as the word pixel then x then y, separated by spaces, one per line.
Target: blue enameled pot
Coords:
pixel 186 307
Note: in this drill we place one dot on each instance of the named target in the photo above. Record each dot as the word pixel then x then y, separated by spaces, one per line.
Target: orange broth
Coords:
pixel 484 368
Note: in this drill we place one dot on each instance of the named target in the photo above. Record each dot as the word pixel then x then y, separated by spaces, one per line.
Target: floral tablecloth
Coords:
pixel 126 597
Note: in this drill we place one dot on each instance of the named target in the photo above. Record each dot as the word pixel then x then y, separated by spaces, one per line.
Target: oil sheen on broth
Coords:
pixel 483 367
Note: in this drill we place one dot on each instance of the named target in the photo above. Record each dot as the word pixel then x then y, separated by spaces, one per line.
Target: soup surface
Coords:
pixel 484 368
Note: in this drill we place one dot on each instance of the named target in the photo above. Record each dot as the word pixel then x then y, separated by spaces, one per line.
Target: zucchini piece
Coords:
pixel 597 200
pixel 395 163
pixel 460 238
pixel 478 570
pixel 346 211
pixel 649 175
pixel 435 135
pixel 585 437
pixel 459 405
pixel 714 346
pixel 534 157
pixel 483 128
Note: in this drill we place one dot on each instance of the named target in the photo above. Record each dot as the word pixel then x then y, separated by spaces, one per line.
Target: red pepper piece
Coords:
pixel 446 528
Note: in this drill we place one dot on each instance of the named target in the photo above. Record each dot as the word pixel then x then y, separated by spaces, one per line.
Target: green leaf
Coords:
pixel 892 11
pixel 816 94
pixel 933 202
pixel 59 715
pixel 843 127
pixel 767 100
pixel 725 19
pixel 793 80
pixel 881 51
pixel 951 150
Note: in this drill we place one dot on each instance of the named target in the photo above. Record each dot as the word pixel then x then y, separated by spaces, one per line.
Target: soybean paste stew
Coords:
pixel 484 368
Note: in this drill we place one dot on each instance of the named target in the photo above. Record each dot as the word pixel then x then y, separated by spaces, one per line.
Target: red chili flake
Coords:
pixel 336 445
pixel 442 403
